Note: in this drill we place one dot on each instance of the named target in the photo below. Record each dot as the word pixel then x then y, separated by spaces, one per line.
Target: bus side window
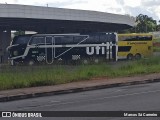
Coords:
pixel 67 39
pixel 58 40
pixel 37 40
pixel 103 38
pixel 124 48
pixel 97 39
pixel 133 38
pixel 120 38
pixel 93 39
pixel 148 38
pixel 130 38
pixel 112 38
pixel 49 40
pixel 79 39
pixel 124 38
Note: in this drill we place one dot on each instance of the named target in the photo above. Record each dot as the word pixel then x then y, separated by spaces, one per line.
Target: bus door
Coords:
pixel 49 49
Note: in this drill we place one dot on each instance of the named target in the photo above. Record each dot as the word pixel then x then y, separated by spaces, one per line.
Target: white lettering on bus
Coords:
pixel 92 50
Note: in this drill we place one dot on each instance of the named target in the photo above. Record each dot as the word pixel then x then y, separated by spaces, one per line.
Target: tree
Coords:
pixel 144 24
pixel 158 26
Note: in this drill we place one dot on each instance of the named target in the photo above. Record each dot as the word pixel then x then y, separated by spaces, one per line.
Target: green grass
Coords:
pixel 156 49
pixel 21 76
pixel 156 40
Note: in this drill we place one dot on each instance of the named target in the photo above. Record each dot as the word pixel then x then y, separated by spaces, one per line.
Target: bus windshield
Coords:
pixel 20 40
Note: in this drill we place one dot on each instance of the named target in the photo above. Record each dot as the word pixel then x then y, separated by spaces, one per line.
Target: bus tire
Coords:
pixel 130 57
pixel 31 62
pixel 85 61
pixel 96 61
pixel 138 56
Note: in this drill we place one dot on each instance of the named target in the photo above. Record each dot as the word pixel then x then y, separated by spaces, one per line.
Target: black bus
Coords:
pixel 65 48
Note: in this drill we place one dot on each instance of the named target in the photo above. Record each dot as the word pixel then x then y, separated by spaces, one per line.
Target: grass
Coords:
pixel 156 49
pixel 156 40
pixel 21 76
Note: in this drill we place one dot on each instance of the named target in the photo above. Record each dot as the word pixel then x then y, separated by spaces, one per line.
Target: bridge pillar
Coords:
pixel 5 38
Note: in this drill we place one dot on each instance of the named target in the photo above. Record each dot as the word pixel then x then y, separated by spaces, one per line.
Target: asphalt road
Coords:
pixel 145 97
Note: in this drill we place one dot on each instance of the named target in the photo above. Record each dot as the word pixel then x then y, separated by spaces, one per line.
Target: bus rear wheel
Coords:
pixel 138 56
pixel 85 61
pixel 129 56
pixel 96 61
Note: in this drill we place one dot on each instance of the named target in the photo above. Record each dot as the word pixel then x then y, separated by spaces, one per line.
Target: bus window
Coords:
pixel 135 38
pixel 49 40
pixel 147 38
pixel 37 40
pixel 124 48
pixel 93 39
pixel 97 39
pixel 20 40
pixel 103 38
pixel 78 39
pixel 58 40
pixel 111 37
pixel 121 38
pixel 129 38
pixel 67 39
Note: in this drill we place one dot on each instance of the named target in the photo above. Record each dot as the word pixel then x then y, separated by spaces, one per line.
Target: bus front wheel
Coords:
pixel 129 56
pixel 138 56
pixel 31 62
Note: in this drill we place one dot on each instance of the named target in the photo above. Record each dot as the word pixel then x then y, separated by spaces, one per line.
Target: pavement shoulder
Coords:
pixel 96 83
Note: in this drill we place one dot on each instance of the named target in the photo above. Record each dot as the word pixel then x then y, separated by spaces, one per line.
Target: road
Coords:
pixel 144 97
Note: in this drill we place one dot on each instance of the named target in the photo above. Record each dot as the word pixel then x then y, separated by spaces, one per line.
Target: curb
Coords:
pixel 74 90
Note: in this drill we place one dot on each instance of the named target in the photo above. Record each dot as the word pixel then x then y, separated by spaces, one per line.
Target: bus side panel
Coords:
pixel 36 54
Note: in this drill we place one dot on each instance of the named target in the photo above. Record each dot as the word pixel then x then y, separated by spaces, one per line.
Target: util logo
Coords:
pixel 99 49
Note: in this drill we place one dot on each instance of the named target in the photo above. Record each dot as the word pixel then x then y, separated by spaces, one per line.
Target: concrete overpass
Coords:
pixel 55 20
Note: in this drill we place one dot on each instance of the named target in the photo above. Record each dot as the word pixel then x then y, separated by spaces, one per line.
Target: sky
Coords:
pixel 124 7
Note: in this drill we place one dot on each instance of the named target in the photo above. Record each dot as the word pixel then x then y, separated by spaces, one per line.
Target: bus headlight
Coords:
pixel 15 53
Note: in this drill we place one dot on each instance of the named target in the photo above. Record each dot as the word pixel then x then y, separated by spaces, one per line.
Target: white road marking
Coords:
pixel 55 101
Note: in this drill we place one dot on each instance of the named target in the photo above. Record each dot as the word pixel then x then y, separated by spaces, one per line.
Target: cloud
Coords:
pixel 137 10
pixel 151 3
pixel 98 5
pixel 59 3
pixel 132 3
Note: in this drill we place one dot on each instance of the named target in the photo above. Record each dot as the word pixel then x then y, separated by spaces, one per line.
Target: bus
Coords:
pixel 135 45
pixel 63 48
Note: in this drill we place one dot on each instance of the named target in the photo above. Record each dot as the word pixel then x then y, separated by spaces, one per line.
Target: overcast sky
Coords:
pixel 131 7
